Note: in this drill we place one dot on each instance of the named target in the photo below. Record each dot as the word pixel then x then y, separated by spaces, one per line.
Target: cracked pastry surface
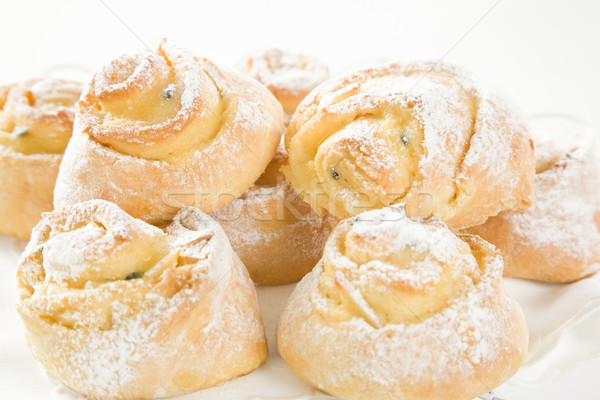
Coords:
pixel 424 134
pixel 36 122
pixel 108 301
pixel 157 131
pixel 402 308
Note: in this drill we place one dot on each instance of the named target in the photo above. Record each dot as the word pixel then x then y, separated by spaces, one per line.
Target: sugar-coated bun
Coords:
pixel 160 130
pixel 277 235
pixel 558 238
pixel 118 309
pixel 36 122
pixel 424 134
pixel 289 76
pixel 403 309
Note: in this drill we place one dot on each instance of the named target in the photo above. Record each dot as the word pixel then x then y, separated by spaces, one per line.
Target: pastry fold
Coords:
pixel 403 309
pixel 36 122
pixel 119 309
pixel 159 130
pixel 424 134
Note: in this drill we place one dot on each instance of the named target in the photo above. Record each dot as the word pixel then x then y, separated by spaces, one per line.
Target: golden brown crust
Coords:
pixel 424 134
pixel 558 238
pixel 382 317
pixel 36 121
pixel 157 131
pixel 118 309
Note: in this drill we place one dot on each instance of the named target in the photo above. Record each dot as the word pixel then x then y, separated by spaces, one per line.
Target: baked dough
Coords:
pixel 424 134
pixel 160 130
pixel 276 234
pixel 36 121
pixel 118 309
pixel 289 76
pixel 558 238
pixel 402 309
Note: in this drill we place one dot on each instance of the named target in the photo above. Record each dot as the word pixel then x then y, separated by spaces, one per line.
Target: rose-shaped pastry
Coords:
pixel 424 134
pixel 118 309
pixel 163 129
pixel 403 309
pixel 36 121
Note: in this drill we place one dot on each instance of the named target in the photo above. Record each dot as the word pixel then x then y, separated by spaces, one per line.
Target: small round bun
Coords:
pixel 160 130
pixel 289 76
pixel 558 238
pixel 403 309
pixel 36 122
pixel 119 309
pixel 425 134
pixel 277 235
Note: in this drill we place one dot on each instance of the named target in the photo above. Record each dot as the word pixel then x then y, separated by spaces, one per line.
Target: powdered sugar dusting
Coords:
pixel 259 202
pixel 291 72
pixel 142 72
pixel 184 153
pixel 478 331
pixel 566 205
pixel 471 138
pixel 430 239
pixel 177 314
pixel 271 229
pixel 47 98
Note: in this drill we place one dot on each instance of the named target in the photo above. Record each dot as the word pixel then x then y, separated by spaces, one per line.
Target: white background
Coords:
pixel 543 54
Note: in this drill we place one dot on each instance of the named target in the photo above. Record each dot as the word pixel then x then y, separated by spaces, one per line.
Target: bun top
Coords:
pixel 37 116
pixel 397 132
pixel 390 269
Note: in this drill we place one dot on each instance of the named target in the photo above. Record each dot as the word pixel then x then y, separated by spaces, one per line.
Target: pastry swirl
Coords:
pixel 558 238
pixel 157 130
pixel 401 308
pixel 36 122
pixel 424 134
pixel 116 308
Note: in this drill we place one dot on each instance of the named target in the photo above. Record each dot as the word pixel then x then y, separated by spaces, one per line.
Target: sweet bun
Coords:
pixel 276 234
pixel 558 238
pixel 289 76
pixel 158 130
pixel 118 309
pixel 36 122
pixel 424 134
pixel 402 308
